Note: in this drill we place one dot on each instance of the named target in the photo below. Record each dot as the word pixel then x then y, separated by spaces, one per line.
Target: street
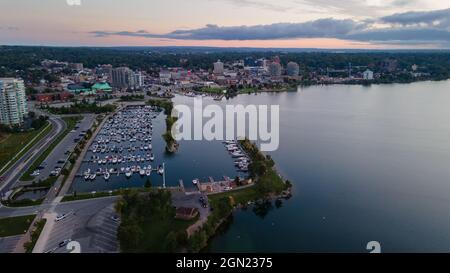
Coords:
pixel 17 169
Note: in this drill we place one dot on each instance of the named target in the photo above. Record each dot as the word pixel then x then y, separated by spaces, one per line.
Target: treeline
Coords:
pixel 81 108
pixel 13 58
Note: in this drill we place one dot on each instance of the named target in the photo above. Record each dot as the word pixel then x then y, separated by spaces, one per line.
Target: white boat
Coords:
pixel 128 174
pixel 142 172
pixel 107 176
pixel 195 181
pixel 160 170
pixel 92 176
pixel 152 157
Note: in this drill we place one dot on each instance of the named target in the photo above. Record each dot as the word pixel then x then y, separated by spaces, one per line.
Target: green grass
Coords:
pixel 11 145
pixel 39 226
pixel 213 90
pixel 249 90
pixel 71 123
pixel 15 226
pixel 24 203
pixel 85 196
pixel 242 196
pixel 156 229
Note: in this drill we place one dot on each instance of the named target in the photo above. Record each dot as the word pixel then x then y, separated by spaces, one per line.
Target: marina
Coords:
pixel 129 151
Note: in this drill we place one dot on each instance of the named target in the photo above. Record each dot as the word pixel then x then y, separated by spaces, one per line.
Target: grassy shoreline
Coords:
pixel 167 105
pixel 268 185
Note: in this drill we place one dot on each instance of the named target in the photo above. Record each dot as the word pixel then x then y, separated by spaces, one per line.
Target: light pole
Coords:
pixel 164 175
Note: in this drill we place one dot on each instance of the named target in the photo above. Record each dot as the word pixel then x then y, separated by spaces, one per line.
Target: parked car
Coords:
pixel 64 243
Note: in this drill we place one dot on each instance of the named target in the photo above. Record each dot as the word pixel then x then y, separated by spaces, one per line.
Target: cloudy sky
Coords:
pixel 234 23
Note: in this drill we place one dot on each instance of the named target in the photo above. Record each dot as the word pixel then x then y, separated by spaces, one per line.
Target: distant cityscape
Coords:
pixel 63 81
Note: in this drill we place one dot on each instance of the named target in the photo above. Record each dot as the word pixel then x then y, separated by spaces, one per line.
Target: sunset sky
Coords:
pixel 228 23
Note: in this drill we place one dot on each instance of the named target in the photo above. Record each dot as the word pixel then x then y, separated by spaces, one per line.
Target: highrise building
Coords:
pixel 13 102
pixel 218 68
pixel 123 78
pixel 293 69
pixel 275 69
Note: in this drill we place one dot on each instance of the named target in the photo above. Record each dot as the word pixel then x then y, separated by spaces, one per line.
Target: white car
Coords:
pixel 60 217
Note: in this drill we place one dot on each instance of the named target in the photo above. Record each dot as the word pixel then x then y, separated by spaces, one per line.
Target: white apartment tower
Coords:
pixel 218 68
pixel 13 101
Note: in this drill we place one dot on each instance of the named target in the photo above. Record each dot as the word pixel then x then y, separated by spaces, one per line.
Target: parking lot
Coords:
pixel 91 224
pixel 8 244
pixel 60 154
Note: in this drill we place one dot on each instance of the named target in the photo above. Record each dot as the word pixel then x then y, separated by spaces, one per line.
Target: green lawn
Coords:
pixel 156 230
pixel 11 144
pixel 213 90
pixel 71 123
pixel 240 196
pixel 15 226
pixel 85 196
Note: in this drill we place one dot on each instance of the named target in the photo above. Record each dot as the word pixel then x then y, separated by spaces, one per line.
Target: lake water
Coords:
pixel 368 164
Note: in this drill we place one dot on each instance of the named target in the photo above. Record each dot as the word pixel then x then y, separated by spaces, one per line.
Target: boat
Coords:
pixel 128 174
pixel 148 172
pixel 92 176
pixel 195 181
pixel 152 157
pixel 160 170
pixel 107 176
pixel 142 172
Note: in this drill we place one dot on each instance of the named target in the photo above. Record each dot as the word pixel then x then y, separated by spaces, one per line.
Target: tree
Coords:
pixel 130 235
pixel 238 182
pixel 148 184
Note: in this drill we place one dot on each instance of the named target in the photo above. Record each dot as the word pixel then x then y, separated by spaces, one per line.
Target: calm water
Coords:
pixel 192 161
pixel 368 163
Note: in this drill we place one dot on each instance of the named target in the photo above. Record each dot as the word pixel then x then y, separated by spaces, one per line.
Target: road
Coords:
pixel 12 176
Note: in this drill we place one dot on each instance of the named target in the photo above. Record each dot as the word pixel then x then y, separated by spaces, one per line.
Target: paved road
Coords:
pixel 88 222
pixel 13 175
pixel 67 144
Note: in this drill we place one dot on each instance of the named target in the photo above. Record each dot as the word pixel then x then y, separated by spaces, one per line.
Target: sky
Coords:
pixel 371 24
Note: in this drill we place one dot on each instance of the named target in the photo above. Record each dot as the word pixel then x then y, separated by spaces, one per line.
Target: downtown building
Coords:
pixel 13 102
pixel 124 78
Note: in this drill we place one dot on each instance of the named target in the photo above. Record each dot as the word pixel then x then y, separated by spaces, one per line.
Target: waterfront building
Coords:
pixel 293 69
pixel 368 75
pixel 13 102
pixel 218 68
